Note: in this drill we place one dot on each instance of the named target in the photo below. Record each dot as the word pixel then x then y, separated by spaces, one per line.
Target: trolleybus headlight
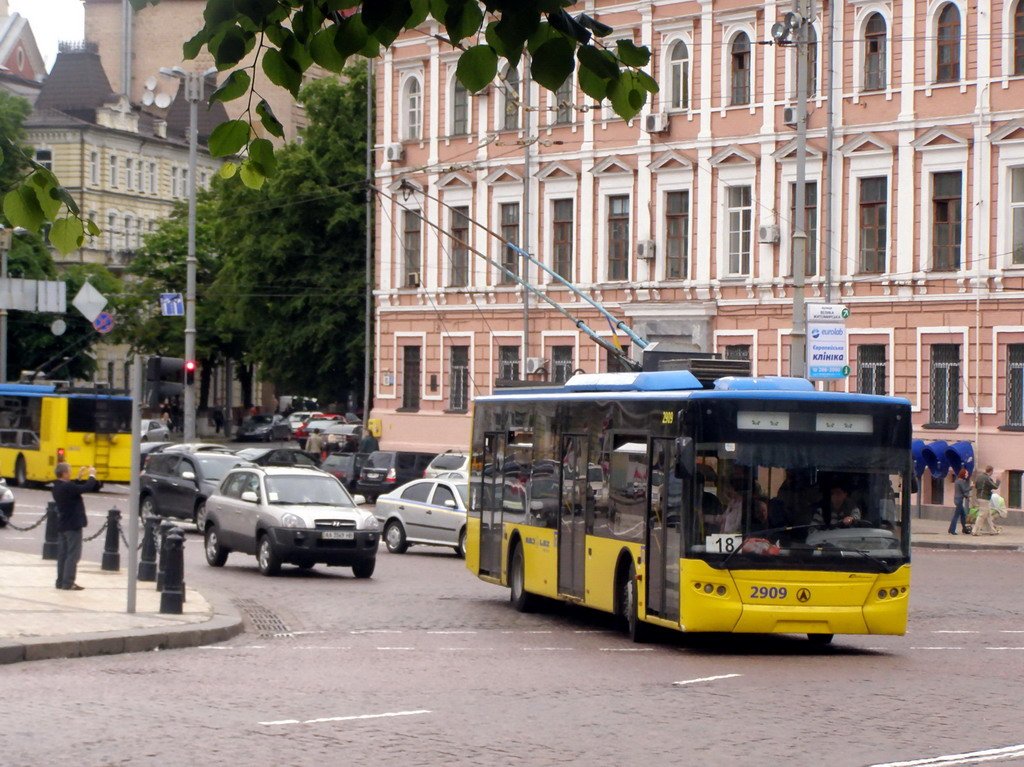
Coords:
pixel 720 591
pixel 882 593
pixel 894 592
pixel 708 588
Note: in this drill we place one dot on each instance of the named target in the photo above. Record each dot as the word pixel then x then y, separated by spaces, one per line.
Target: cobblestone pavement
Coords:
pixel 424 665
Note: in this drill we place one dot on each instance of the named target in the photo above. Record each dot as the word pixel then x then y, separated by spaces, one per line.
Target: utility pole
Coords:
pixel 526 218
pixel 368 297
pixel 5 246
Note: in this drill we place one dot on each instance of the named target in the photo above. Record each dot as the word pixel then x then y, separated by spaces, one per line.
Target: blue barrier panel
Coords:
pixel 935 458
pixel 960 455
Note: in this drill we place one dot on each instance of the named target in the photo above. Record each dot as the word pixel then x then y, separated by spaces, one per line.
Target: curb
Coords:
pixel 225 624
pixel 967 546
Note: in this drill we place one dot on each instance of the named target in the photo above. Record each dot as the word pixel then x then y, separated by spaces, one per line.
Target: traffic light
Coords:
pixel 190 372
pixel 164 377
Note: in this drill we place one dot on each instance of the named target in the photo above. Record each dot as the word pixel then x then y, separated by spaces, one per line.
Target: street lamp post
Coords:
pixel 192 82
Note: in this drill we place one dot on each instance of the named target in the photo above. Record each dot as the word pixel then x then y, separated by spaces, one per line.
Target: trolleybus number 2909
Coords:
pixel 768 592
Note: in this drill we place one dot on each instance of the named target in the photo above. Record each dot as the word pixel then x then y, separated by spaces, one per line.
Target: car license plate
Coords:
pixel 338 535
pixel 374 475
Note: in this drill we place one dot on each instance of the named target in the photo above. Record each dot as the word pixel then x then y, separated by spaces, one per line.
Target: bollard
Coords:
pixel 50 537
pixel 111 555
pixel 165 528
pixel 172 598
pixel 147 559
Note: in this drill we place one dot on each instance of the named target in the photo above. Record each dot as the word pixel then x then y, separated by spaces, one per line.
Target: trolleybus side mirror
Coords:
pixel 684 457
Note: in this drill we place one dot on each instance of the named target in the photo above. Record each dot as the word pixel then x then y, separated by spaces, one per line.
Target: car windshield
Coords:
pixel 448 461
pixel 306 489
pixel 463 493
pixel 215 466
pixel 378 461
pixel 339 461
pixel 259 420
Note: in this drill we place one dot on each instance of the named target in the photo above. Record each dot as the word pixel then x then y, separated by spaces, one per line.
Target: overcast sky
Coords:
pixel 52 21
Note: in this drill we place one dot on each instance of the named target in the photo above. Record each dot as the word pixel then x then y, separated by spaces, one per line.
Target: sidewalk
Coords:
pixel 934 534
pixel 38 621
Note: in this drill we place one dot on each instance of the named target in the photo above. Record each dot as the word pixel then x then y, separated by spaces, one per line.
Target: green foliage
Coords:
pixel 292 278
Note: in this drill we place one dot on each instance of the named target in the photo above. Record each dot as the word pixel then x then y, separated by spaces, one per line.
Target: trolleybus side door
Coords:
pixel 572 509
pixel 491 480
pixel 664 530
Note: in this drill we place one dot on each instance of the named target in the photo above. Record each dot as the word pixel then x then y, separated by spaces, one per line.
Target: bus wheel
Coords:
pixel 20 474
pixel 521 599
pixel 637 630
pixel 820 639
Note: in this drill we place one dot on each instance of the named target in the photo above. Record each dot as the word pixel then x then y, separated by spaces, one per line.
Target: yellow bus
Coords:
pixel 42 424
pixel 756 505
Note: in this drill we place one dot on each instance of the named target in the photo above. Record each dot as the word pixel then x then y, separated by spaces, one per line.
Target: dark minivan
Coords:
pixel 385 470
pixel 345 466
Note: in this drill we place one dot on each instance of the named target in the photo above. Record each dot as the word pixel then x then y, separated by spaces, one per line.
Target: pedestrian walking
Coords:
pixel 984 484
pixel 218 420
pixel 71 520
pixel 315 443
pixel 987 514
pixel 961 492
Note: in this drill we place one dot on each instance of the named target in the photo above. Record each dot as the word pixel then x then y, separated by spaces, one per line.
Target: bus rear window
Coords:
pixel 99 416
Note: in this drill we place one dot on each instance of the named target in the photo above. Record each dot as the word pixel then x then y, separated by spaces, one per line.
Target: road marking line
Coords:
pixel 965 758
pixel 549 649
pixel 936 648
pixel 1012 631
pixel 348 718
pixel 954 631
pixel 627 649
pixel 1004 648
pixel 375 631
pixel 451 632
pixel 396 648
pixel 705 679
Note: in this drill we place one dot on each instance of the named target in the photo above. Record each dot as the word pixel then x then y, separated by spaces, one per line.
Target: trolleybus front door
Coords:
pixel 490 504
pixel 572 510
pixel 664 528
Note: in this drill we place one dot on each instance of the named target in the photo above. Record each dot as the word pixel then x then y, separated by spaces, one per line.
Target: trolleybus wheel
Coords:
pixel 521 599
pixel 20 473
pixel 637 630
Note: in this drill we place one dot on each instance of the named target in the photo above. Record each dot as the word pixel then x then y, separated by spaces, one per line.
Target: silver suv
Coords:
pixel 286 514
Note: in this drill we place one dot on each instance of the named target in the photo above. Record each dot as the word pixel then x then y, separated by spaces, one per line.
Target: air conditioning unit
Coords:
pixel 535 365
pixel 412 280
pixel 656 122
pixel 789 116
pixel 394 152
pixel 645 249
pixel 768 233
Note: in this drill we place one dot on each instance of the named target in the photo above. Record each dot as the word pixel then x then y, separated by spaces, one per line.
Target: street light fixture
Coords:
pixel 193 83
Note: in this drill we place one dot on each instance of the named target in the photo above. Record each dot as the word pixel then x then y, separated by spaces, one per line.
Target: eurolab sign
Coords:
pixel 828 349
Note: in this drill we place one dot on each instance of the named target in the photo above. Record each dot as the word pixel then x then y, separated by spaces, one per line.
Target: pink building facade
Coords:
pixel 680 221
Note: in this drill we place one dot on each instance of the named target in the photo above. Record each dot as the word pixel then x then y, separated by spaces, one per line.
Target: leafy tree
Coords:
pixel 289 36
pixel 293 271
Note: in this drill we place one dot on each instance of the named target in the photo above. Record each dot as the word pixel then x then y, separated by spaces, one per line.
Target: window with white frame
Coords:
pixel 508 362
pixel 129 179
pixel 679 76
pixel 812 61
pixel 1018 38
pixel 739 200
pixel 412 109
pixel 618 237
pixel 1017 213
pixel 138 174
pixel 411 243
pixel 94 168
pixel 458 379
pixel 113 171
pixel 174 181
pixel 460 108
pixel 509 212
pixel 677 234
pixel 873 230
pixel 129 228
pixel 561 363
pixel 947 205
pixel 875 65
pixel 564 108
pixel 562 227
pixel 945 385
pixel 459 275
pixel 45 158
pixel 947 45
pixel 739 70
pixel 810 224
pixel 111 232
pixel 871 368
pixel 510 100
pixel 410 377
pixel 185 183
pixel 151 181
pixel 1015 385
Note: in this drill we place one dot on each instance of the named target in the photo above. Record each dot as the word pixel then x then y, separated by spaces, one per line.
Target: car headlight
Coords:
pixel 370 523
pixel 6 494
pixel 292 520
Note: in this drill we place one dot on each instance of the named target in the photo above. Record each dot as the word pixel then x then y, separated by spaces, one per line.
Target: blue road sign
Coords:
pixel 172 305
pixel 104 322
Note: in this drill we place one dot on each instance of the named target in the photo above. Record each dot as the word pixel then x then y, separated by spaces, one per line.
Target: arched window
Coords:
pixel 874 53
pixel 812 62
pixel 412 106
pixel 510 104
pixel 740 70
pixel 460 109
pixel 947 54
pixel 679 76
pixel 1018 38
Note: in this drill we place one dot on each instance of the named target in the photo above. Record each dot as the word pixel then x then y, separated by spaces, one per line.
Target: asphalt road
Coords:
pixel 424 665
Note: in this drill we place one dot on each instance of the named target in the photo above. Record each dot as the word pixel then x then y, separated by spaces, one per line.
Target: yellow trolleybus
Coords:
pixel 43 424
pixel 754 505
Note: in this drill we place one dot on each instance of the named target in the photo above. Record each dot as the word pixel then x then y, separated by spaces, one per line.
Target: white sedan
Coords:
pixel 424 511
pixel 152 430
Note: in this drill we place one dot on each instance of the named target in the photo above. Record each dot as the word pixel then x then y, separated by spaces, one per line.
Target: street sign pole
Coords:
pixel 193 85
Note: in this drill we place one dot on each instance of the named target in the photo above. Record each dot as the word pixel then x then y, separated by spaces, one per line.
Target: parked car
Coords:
pixel 264 428
pixel 449 460
pixel 146 449
pixel 6 503
pixel 278 456
pixel 321 422
pixel 345 466
pixel 197 447
pixel 342 436
pixel 296 419
pixel 386 470
pixel 177 483
pixel 425 511
pixel 291 515
pixel 152 430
